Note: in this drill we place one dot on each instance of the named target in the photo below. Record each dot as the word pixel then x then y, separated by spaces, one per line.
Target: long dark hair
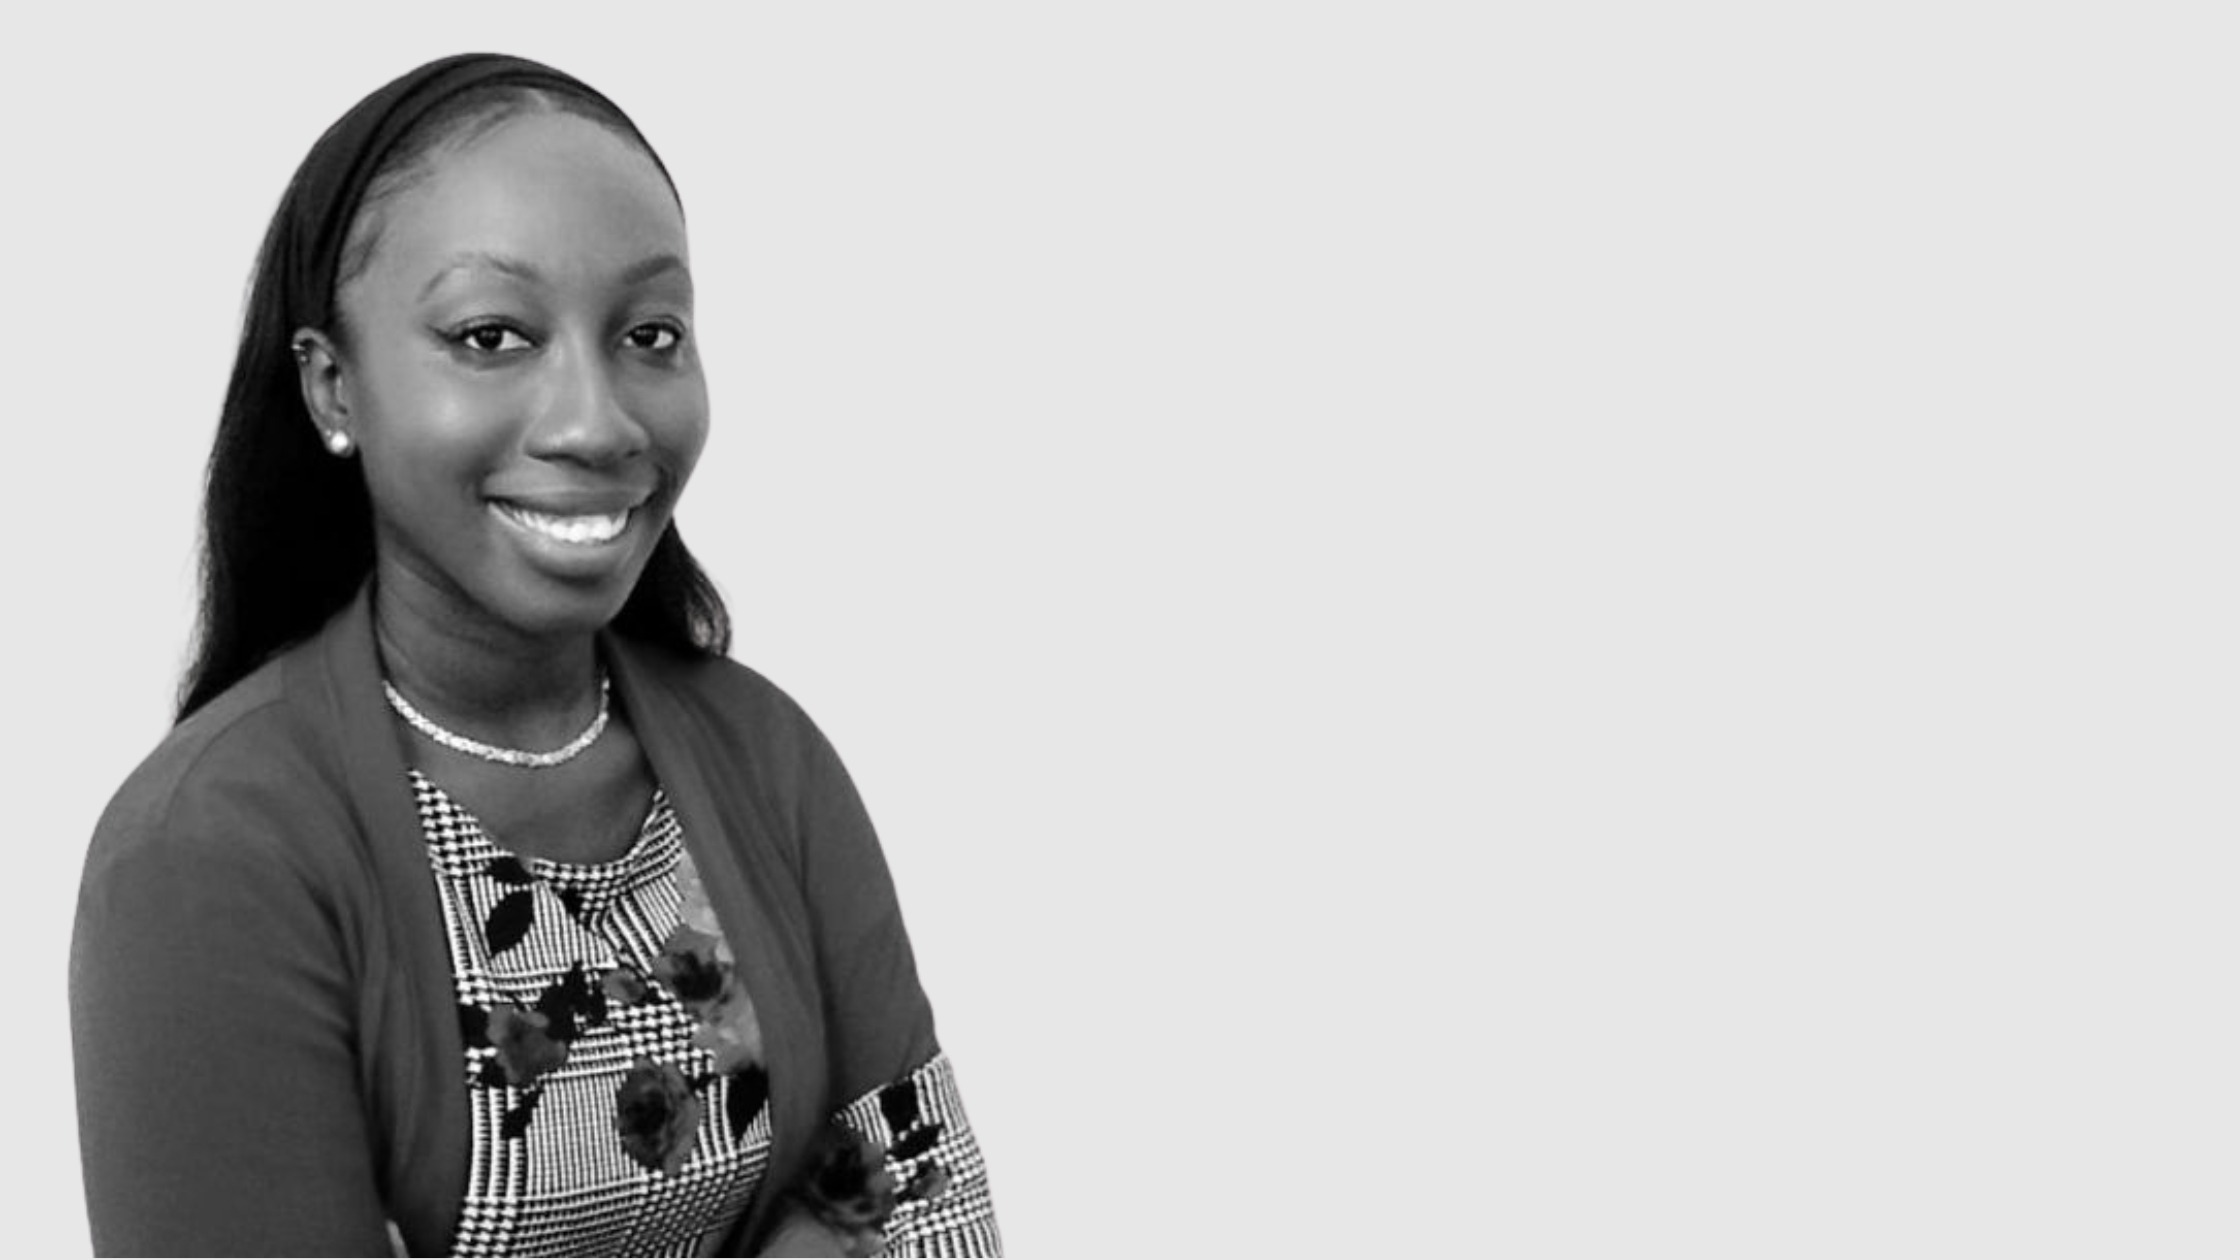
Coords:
pixel 287 529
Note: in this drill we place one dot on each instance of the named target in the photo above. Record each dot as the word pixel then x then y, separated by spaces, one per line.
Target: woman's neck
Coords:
pixel 481 679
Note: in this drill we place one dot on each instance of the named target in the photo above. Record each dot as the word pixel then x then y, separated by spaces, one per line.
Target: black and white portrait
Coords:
pixel 1197 629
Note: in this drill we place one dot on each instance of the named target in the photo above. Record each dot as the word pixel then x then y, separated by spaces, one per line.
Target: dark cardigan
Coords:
pixel 267 1046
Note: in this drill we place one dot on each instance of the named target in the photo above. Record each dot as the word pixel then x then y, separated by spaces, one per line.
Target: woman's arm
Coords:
pixel 212 1012
pixel 900 1090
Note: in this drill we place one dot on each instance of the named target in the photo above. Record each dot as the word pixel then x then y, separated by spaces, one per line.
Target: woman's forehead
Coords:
pixel 548 196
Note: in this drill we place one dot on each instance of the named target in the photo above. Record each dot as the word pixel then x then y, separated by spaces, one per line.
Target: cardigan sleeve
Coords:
pixel 895 1086
pixel 878 1024
pixel 212 1005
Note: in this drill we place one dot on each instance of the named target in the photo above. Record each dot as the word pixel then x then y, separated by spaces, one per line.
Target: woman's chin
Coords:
pixel 558 587
pixel 547 610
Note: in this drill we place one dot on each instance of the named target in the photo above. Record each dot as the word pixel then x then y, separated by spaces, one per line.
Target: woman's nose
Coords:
pixel 586 418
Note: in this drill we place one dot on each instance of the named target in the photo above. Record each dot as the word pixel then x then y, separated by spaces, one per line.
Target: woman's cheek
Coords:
pixel 683 411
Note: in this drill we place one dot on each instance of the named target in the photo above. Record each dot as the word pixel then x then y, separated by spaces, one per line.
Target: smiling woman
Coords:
pixel 513 362
pixel 477 903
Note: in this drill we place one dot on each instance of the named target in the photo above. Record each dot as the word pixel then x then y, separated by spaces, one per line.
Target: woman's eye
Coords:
pixel 654 337
pixel 491 339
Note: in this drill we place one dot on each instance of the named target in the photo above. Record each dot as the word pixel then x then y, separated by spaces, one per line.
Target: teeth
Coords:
pixel 581 530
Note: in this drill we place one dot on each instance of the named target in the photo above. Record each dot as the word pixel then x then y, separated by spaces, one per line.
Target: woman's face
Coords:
pixel 521 378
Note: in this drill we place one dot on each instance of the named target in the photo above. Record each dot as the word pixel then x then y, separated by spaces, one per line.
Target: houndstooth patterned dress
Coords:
pixel 558 961
pixel 573 1000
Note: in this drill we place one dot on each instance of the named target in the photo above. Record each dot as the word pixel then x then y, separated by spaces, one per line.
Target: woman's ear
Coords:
pixel 319 372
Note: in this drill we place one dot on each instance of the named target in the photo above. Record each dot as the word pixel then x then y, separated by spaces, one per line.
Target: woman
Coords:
pixel 477 903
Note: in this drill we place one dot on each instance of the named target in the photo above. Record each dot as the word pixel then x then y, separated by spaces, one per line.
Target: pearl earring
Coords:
pixel 338 443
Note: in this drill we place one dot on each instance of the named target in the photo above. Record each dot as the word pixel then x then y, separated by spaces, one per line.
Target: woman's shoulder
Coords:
pixel 239 776
pixel 703 675
pixel 732 699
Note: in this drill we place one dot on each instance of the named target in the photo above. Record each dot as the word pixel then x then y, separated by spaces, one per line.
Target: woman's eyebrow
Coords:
pixel 646 269
pixel 636 273
pixel 501 263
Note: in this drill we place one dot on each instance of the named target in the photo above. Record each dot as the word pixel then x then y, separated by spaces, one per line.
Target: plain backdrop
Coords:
pixel 1599 629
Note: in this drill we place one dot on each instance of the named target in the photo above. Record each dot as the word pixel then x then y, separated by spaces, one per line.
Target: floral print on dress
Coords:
pixel 657 1107
pixel 728 1028
pixel 613 1058
pixel 928 1190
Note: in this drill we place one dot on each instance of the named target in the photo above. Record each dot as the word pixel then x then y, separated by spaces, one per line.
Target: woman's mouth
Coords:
pixel 586 530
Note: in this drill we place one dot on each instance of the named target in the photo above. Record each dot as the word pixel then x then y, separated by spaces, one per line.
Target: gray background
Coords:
pixel 1584 635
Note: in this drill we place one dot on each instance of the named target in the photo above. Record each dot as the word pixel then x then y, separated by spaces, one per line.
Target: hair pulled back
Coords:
pixel 287 528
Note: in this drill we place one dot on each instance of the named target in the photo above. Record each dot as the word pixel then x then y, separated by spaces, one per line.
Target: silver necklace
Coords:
pixel 491 752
